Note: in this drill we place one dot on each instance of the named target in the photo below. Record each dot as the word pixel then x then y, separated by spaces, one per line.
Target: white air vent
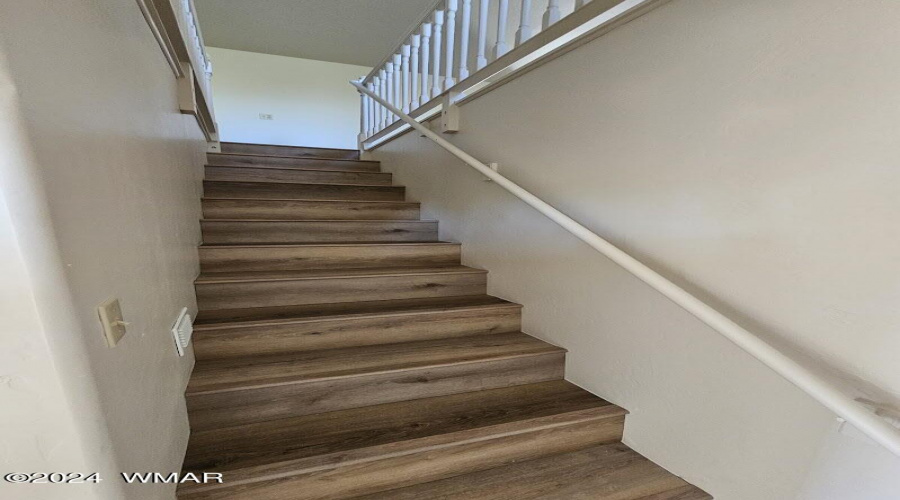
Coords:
pixel 182 331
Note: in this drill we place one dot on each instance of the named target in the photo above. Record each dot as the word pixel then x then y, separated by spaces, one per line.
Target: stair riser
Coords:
pixel 309 210
pixel 290 258
pixel 245 174
pixel 256 190
pixel 240 232
pixel 321 291
pixel 426 465
pixel 231 160
pixel 296 151
pixel 334 334
pixel 223 409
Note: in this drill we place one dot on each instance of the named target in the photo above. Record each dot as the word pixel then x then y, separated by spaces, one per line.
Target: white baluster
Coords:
pixel 373 109
pixel 436 52
pixel 426 54
pixel 389 90
pixel 524 32
pixel 452 6
pixel 480 56
pixel 398 82
pixel 407 90
pixel 552 14
pixel 379 110
pixel 414 72
pixel 464 40
pixel 501 47
pixel 382 74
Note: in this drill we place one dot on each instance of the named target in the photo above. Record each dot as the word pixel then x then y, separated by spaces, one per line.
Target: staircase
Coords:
pixel 343 351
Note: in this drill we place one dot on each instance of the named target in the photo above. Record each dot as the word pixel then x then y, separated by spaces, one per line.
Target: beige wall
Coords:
pixel 747 150
pixel 312 102
pixel 103 202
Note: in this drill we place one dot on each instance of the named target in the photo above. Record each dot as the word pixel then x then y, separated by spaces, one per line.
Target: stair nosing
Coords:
pixel 309 200
pixel 419 272
pixel 340 317
pixel 313 158
pixel 430 221
pixel 311 184
pixel 297 167
pixel 423 445
pixel 342 245
pixel 286 146
pixel 552 350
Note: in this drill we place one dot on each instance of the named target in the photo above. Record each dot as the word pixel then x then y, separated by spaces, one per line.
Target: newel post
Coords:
pixel 373 108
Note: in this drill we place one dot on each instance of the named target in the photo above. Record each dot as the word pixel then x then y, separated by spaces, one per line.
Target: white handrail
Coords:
pixel 820 389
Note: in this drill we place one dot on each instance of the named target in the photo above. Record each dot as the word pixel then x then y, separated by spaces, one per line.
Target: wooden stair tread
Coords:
pixel 301 244
pixel 310 435
pixel 301 168
pixel 342 351
pixel 276 174
pixel 282 314
pixel 292 151
pixel 328 221
pixel 251 159
pixel 246 189
pixel 312 158
pixel 307 245
pixel 611 471
pixel 249 372
pixel 232 277
pixel 382 186
pixel 311 200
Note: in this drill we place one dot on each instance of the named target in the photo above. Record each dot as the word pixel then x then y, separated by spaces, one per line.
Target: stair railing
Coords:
pixel 462 47
pixel 822 390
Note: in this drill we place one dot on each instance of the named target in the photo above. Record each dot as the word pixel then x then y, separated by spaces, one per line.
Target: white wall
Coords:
pixel 852 466
pixel 312 102
pixel 747 150
pixel 101 179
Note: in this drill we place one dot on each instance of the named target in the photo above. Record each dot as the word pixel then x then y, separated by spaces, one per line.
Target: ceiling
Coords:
pixel 346 31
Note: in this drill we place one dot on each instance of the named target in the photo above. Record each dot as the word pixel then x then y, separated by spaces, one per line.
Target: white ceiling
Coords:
pixel 346 31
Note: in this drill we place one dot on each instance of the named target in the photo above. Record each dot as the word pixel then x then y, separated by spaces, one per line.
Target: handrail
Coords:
pixel 820 389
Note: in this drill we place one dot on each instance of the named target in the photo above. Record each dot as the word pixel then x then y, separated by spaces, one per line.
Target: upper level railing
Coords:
pixel 197 47
pixel 176 28
pixel 431 71
pixel 462 48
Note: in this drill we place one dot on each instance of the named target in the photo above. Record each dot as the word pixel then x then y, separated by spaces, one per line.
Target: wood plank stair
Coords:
pixel 343 351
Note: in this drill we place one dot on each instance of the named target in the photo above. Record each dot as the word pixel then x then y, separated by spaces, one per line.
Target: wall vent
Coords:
pixel 182 331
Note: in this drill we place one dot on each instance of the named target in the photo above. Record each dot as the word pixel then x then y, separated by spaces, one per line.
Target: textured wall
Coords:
pixel 106 204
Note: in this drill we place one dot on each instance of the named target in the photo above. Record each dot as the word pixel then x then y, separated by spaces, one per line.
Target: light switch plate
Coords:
pixel 112 321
